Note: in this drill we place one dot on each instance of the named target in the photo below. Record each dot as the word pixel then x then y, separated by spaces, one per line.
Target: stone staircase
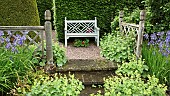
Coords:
pixel 90 71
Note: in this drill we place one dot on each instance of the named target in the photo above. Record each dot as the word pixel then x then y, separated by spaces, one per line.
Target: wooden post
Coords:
pixel 50 67
pixel 140 34
pixel 120 20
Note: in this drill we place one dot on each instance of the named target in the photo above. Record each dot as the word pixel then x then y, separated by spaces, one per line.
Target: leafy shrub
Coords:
pixel 117 47
pixel 130 81
pixel 13 66
pixel 132 69
pixel 125 86
pixel 60 86
pixel 59 57
pixel 81 43
pixel 19 13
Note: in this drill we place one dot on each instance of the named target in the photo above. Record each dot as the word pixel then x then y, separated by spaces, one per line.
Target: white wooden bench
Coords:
pixel 81 28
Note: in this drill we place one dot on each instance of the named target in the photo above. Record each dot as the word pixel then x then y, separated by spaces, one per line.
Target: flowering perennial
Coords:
pixel 160 40
pixel 11 41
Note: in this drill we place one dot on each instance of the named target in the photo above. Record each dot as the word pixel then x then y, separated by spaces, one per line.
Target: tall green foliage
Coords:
pixel 43 5
pixel 19 13
pixel 12 67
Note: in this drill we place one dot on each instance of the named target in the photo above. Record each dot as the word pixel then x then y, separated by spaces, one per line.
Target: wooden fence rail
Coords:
pixel 139 28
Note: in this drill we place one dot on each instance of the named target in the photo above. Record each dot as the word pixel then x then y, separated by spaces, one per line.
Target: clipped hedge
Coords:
pixel 84 9
pixel 19 13
pixel 42 6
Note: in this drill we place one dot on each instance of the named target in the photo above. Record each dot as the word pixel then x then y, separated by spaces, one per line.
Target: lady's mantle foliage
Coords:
pixel 117 47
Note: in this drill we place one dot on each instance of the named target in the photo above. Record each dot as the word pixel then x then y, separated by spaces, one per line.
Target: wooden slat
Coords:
pixel 21 27
pixel 129 24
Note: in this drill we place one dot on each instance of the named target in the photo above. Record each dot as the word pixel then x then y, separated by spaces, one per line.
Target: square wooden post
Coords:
pixel 140 34
pixel 50 67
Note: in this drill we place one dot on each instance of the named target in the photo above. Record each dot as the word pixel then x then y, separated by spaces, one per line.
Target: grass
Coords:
pixel 12 67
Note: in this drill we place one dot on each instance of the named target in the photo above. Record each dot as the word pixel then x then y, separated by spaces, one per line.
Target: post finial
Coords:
pixel 47 15
pixel 142 15
pixel 121 14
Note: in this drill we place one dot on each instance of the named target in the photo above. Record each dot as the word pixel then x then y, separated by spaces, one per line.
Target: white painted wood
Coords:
pixel 81 28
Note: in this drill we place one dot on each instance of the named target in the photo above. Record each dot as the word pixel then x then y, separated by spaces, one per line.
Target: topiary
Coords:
pixel 19 13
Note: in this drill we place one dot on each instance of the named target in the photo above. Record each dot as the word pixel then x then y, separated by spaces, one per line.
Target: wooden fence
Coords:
pixel 39 33
pixel 139 28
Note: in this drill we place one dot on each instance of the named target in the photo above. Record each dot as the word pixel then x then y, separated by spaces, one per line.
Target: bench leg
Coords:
pixel 98 41
pixel 65 42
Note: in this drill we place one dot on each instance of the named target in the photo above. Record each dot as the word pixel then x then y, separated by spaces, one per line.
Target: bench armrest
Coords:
pixel 97 28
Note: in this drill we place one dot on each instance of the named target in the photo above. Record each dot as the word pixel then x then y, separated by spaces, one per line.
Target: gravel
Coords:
pixel 90 52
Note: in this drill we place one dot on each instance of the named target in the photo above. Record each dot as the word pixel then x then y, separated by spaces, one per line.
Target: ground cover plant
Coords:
pixel 60 86
pixel 117 47
pixel 131 80
pixel 59 56
pixel 156 52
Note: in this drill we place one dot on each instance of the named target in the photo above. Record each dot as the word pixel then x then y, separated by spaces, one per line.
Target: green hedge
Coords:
pixel 19 13
pixel 42 6
pixel 84 9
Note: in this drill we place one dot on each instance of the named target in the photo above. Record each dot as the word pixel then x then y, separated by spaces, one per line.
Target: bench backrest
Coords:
pixel 80 26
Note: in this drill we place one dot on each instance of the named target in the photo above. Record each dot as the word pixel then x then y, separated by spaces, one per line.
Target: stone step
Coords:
pixel 92 90
pixel 87 65
pixel 90 72
pixel 91 77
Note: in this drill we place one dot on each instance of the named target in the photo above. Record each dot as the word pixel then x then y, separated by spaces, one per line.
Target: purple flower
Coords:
pixel 15 43
pixel 165 54
pixel 14 49
pixel 151 42
pixel 8 46
pixel 161 44
pixel 2 40
pixel 23 38
pixel 160 33
pixel 7 40
pixel 153 36
pixel 168 33
pixel 20 42
pixel 1 33
pixel 146 36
